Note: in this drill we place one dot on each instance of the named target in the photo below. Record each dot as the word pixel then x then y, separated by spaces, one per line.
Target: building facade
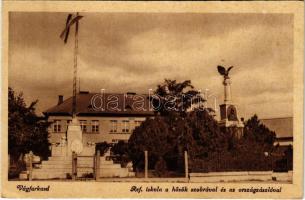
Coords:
pixel 103 117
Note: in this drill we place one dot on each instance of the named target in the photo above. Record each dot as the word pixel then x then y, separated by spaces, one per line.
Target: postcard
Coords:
pixel 152 99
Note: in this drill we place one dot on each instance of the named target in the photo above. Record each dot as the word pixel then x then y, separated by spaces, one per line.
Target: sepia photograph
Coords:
pixel 192 100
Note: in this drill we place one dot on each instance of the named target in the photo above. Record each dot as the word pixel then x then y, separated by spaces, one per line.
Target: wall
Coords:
pixel 104 133
pixel 240 176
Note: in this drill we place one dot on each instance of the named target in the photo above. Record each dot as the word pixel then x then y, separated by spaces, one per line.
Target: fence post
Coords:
pixel 94 166
pixel 186 165
pixel 9 161
pixel 97 165
pixel 30 165
pixel 74 166
pixel 146 164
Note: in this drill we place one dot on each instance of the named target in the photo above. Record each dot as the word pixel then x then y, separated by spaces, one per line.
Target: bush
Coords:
pixel 16 168
pixel 160 167
pixel 120 150
pixel 102 147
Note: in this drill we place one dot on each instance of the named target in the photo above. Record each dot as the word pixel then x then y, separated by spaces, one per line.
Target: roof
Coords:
pixel 283 127
pixel 108 104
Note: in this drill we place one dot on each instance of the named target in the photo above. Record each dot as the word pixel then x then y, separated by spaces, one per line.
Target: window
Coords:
pixel 83 125
pixel 125 126
pixel 95 126
pixel 113 126
pixel 56 126
pixel 115 141
pixel 68 123
pixel 137 123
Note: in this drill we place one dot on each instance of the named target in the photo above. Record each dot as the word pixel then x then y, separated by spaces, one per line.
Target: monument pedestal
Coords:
pixel 59 165
pixel 229 120
pixel 74 138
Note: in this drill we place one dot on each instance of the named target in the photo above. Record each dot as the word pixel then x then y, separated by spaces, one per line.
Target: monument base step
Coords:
pixel 53 175
pixel 61 167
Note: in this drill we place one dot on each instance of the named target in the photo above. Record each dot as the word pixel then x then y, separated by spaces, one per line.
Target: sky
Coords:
pixel 134 52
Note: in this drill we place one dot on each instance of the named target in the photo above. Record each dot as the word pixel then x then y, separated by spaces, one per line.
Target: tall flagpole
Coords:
pixel 74 133
pixel 64 35
pixel 75 69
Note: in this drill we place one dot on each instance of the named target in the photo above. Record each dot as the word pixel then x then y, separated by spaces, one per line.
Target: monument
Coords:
pixel 71 157
pixel 74 133
pixel 229 120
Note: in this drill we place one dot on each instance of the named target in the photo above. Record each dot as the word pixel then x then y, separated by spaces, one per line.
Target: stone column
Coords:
pixel 227 90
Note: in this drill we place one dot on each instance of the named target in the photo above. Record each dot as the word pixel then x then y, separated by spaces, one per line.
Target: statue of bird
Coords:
pixel 223 71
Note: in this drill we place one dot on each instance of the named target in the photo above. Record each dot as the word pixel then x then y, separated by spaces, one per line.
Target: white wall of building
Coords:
pixel 106 127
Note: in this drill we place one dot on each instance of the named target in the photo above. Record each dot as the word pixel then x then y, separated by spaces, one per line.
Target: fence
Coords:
pixel 95 166
pixel 218 164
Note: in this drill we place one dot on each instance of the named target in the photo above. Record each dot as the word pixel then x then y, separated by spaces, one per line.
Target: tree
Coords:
pixel 26 131
pixel 257 132
pixel 289 156
pixel 175 96
pixel 252 152
pixel 167 137
pixel 152 136
pixel 175 130
pixel 171 132
pixel 209 149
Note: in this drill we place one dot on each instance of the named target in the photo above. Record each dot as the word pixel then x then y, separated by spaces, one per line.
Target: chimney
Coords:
pixel 83 92
pixel 131 93
pixel 60 99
